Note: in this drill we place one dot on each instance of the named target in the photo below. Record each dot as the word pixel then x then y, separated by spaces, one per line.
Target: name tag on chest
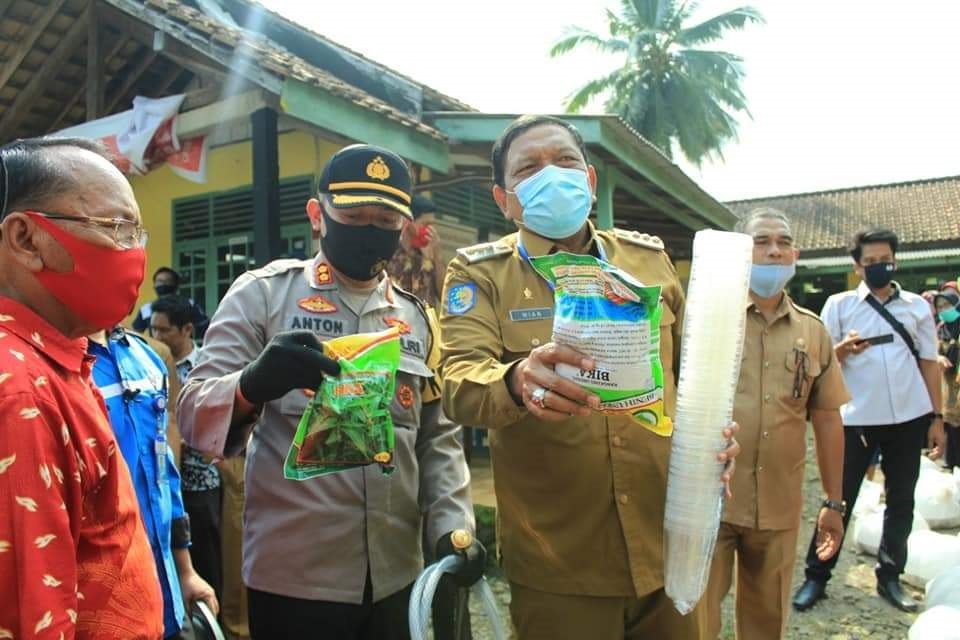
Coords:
pixel 525 315
pixel 412 346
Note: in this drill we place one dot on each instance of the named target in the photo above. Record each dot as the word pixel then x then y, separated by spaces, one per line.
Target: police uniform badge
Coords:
pixel 392 321
pixel 378 169
pixel 322 274
pixel 461 298
pixel 316 304
pixel 405 395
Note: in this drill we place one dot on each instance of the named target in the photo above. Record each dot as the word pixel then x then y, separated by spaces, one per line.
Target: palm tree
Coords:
pixel 668 88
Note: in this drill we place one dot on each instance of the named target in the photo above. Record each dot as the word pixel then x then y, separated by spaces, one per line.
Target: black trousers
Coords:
pixel 899 446
pixel 276 617
pixel 203 507
pixel 953 445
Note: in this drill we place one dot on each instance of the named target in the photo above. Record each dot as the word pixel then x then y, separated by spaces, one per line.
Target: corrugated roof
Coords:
pixel 270 57
pixel 921 211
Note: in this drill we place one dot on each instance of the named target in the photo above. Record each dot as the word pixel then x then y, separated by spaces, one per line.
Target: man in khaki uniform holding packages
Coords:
pixel 580 495
pixel 788 369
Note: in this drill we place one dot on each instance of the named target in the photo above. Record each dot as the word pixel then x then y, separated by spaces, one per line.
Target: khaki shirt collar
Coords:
pixel 320 275
pixel 540 246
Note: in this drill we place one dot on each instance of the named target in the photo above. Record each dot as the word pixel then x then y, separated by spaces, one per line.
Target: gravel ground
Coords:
pixel 853 610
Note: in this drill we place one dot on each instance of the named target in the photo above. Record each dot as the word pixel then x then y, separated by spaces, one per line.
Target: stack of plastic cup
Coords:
pixel 709 370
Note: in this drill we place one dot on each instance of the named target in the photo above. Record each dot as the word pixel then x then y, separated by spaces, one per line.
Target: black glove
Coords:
pixel 467 547
pixel 291 360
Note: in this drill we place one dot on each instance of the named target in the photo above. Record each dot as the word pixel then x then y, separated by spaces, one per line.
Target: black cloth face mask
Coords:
pixel 358 252
pixel 878 275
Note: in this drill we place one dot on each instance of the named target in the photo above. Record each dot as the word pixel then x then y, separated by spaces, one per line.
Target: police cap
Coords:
pixel 363 174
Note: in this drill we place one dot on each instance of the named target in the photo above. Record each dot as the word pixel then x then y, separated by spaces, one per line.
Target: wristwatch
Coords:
pixel 938 416
pixel 840 507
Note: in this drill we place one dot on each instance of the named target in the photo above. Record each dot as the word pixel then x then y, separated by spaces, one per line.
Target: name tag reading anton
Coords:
pixel 524 315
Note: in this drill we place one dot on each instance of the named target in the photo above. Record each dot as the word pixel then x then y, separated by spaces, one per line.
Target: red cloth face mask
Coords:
pixel 421 236
pixel 103 286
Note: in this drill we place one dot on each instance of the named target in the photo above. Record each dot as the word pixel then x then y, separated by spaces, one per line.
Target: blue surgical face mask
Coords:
pixel 767 280
pixel 556 201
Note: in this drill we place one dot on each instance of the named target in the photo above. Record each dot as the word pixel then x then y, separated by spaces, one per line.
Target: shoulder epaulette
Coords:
pixel 277 267
pixel 485 251
pixel 640 239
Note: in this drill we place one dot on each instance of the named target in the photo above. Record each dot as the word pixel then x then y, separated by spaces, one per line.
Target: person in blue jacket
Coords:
pixel 133 381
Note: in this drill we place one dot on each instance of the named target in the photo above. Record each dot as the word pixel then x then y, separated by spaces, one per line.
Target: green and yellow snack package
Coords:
pixel 606 314
pixel 347 423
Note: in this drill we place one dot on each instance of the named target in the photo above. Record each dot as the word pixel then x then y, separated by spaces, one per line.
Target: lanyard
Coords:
pixel 522 250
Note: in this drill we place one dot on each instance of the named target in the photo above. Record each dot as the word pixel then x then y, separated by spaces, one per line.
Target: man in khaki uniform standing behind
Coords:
pixel 580 495
pixel 789 369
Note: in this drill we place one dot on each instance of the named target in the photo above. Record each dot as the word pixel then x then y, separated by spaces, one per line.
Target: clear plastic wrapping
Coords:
pixel 713 332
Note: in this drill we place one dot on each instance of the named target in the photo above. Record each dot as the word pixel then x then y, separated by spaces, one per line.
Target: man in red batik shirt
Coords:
pixel 74 557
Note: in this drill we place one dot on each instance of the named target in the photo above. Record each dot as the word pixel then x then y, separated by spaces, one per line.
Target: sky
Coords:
pixel 843 93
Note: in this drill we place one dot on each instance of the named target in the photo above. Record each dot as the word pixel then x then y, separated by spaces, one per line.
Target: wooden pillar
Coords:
pixel 94 65
pixel 605 187
pixel 266 186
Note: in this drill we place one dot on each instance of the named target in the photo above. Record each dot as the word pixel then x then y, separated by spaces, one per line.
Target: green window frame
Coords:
pixel 213 236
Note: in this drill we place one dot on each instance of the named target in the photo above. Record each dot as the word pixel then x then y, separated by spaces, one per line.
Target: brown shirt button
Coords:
pixel 617 441
pixel 535 342
pixel 624 498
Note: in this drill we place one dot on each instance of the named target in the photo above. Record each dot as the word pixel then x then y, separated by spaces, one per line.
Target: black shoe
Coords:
pixel 808 594
pixel 891 591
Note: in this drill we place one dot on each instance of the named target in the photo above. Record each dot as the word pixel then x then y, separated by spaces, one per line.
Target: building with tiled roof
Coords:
pixel 265 101
pixel 925 214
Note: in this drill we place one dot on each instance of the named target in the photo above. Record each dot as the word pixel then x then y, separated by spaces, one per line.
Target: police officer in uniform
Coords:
pixel 334 555
pixel 580 495
pixel 789 371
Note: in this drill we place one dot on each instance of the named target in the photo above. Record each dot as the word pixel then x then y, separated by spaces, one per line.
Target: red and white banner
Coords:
pixel 145 137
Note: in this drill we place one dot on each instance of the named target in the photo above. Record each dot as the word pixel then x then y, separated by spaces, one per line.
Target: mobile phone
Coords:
pixel 882 339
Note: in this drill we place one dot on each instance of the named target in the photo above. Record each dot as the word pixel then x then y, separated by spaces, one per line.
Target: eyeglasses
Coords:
pixel 126 234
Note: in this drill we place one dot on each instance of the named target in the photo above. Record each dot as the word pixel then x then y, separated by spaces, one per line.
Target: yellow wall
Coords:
pixel 683 271
pixel 228 167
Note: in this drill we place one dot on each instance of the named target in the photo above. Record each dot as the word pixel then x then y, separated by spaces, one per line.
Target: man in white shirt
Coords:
pixel 885 340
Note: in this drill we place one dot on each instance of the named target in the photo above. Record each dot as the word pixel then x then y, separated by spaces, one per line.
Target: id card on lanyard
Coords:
pixel 153 380
pixel 160 442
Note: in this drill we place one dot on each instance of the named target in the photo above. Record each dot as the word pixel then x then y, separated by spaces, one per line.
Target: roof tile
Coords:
pixel 922 211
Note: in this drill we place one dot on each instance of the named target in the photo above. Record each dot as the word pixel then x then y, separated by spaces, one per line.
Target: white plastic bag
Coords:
pixel 868 499
pixel 868 529
pixel 944 589
pixel 938 623
pixel 936 499
pixel 928 555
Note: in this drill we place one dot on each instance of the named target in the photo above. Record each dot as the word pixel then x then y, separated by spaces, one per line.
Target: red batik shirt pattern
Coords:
pixel 74 557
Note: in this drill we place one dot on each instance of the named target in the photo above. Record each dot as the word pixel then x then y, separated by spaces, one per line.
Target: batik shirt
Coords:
pixel 74 557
